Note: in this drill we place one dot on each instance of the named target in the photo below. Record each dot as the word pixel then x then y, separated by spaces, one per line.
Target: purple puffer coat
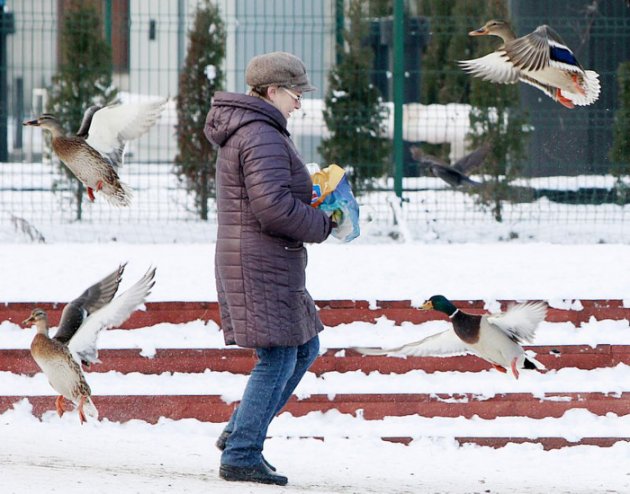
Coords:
pixel 264 213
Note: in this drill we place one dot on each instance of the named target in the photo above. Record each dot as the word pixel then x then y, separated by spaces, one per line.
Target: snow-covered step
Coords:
pixel 574 427
pixel 240 361
pixel 610 380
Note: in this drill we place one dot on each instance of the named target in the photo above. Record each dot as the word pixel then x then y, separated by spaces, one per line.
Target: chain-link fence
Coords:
pixel 564 177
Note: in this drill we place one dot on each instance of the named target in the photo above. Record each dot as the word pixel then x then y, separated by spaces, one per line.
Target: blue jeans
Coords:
pixel 271 383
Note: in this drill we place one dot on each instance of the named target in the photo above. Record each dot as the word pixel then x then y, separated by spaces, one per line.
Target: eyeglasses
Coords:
pixel 296 97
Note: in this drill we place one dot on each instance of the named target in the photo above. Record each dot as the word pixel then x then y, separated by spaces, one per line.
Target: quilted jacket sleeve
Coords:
pixel 279 187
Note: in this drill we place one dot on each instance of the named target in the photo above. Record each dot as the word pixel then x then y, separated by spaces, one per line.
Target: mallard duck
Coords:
pixel 495 338
pixel 74 343
pixel 95 153
pixel 540 59
pixel 456 174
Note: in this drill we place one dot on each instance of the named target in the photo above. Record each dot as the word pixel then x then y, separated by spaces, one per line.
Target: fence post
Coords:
pixel 7 27
pixel 18 112
pixel 399 87
pixel 339 26
pixel 107 21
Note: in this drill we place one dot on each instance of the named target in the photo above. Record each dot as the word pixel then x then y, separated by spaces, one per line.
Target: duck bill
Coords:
pixel 28 322
pixel 428 305
pixel 33 123
pixel 482 31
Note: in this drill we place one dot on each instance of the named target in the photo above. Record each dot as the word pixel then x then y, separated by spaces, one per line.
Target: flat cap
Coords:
pixel 278 68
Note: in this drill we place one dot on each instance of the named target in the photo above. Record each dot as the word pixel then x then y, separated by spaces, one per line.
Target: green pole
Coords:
pixel 399 87
pixel 107 14
pixel 339 20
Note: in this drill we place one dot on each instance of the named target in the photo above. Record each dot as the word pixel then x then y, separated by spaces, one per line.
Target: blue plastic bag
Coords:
pixel 338 202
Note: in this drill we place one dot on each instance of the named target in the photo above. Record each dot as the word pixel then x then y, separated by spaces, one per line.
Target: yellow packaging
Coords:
pixel 324 182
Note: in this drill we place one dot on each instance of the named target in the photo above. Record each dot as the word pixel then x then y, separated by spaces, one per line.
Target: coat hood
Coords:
pixel 231 111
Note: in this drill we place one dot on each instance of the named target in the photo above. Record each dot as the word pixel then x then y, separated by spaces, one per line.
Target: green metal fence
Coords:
pixel 566 179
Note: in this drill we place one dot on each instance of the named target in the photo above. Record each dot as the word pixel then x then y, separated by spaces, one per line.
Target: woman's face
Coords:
pixel 285 100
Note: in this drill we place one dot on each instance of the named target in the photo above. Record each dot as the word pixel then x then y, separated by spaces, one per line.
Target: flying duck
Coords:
pixel 74 343
pixel 495 338
pixel 95 153
pixel 457 174
pixel 540 59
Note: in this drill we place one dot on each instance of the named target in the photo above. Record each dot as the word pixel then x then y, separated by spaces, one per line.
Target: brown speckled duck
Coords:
pixel 541 59
pixel 95 154
pixel 495 338
pixel 60 357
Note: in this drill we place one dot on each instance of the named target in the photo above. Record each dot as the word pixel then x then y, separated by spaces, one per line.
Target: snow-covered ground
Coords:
pixel 35 206
pixel 59 455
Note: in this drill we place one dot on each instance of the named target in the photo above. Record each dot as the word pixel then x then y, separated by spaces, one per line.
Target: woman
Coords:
pixel 264 214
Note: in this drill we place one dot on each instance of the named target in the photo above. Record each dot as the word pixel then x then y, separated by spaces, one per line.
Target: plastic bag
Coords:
pixel 332 194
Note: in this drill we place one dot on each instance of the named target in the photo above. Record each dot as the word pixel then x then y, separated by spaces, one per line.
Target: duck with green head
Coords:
pixel 495 338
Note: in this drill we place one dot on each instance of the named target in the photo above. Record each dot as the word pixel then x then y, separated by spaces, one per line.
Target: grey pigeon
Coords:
pixel 456 174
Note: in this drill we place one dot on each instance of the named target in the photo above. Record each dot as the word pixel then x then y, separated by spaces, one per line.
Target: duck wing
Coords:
pixel 443 343
pixel 440 168
pixel 494 67
pixel 92 299
pixel 87 121
pixel 520 321
pixel 451 176
pixel 83 343
pixel 472 160
pixel 114 125
pixel 425 159
pixel 540 49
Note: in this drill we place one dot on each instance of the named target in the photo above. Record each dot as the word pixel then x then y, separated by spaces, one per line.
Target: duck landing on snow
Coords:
pixel 495 338
pixel 61 356
pixel 540 59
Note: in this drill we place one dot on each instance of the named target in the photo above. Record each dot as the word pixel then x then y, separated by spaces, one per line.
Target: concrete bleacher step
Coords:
pixel 213 408
pixel 332 312
pixel 240 361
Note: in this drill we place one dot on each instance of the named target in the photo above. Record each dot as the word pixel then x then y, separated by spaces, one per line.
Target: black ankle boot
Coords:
pixel 222 442
pixel 259 474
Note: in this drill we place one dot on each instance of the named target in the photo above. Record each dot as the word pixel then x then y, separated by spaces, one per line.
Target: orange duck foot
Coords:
pixel 99 185
pixel 500 368
pixel 514 369
pixel 90 193
pixel 59 406
pixel 564 101
pixel 82 418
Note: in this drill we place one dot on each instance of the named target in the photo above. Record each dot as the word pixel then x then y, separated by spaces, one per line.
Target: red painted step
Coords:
pixel 212 408
pixel 547 443
pixel 240 361
pixel 332 312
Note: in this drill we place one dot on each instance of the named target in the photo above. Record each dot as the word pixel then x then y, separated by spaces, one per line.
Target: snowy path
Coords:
pixel 178 457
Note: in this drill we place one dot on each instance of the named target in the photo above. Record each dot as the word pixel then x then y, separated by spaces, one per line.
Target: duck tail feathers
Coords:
pixel 591 87
pixel 119 196
pixel 90 409
pixel 529 362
